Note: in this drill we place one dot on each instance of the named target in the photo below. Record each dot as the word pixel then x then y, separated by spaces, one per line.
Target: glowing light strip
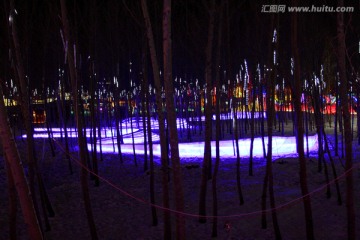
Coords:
pixel 72 133
pixel 109 133
pixel 136 123
pixel 282 146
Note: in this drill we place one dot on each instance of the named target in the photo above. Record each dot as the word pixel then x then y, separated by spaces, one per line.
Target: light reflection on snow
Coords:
pixel 282 146
pixel 105 133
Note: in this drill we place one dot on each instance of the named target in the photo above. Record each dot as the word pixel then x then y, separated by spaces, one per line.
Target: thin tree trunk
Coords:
pixel 236 136
pixel 99 125
pixel 48 127
pixel 262 117
pixel 93 124
pixel 319 120
pixel 339 199
pixel 25 108
pixel 143 110
pixel 319 123
pixel 299 128
pixel 171 117
pixel 63 116
pixel 269 171
pixel 206 167
pixel 151 155
pixel 263 201
pixel 132 127
pixel 217 124
pixel 336 117
pixel 79 123
pixel 270 111
pixel 351 226
pixel 117 123
pixel 144 90
pixel 164 164
pixel 44 199
pixel 12 199
pixel 307 112
pixel 252 130
pixel 270 107
pixel 18 175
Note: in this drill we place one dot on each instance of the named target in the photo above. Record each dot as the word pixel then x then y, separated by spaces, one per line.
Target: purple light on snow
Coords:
pixel 72 133
pixel 282 146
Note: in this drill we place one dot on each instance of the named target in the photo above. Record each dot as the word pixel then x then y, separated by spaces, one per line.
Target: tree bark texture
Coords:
pixel 341 48
pixel 164 164
pixel 299 127
pixel 18 175
pixel 208 117
pixel 79 122
pixel 171 119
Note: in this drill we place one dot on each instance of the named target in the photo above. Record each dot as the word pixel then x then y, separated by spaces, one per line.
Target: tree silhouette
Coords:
pixel 341 48
pixel 69 49
pixel 299 127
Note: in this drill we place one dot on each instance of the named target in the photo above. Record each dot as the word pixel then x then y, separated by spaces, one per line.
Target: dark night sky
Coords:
pixel 112 31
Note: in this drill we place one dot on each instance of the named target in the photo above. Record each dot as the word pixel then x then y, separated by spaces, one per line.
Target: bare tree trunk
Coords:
pixel 319 123
pixel 262 119
pixel 25 106
pixel 130 109
pixel 149 135
pixel 12 200
pixel 144 89
pixel 270 95
pixel 18 175
pixel 270 112
pixel 299 126
pixel 218 127
pixel 63 116
pixel 171 117
pixel 117 123
pixel 79 123
pixel 336 117
pixel 236 136
pixel 339 199
pixel 217 161
pixel 322 137
pixel 93 124
pixel 252 129
pixel 99 123
pixel 208 118
pixel 164 164
pixel 145 132
pixel 263 201
pixel 48 127
pixel 351 226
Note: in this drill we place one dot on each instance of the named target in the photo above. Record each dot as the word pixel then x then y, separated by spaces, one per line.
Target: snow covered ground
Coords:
pixel 121 203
